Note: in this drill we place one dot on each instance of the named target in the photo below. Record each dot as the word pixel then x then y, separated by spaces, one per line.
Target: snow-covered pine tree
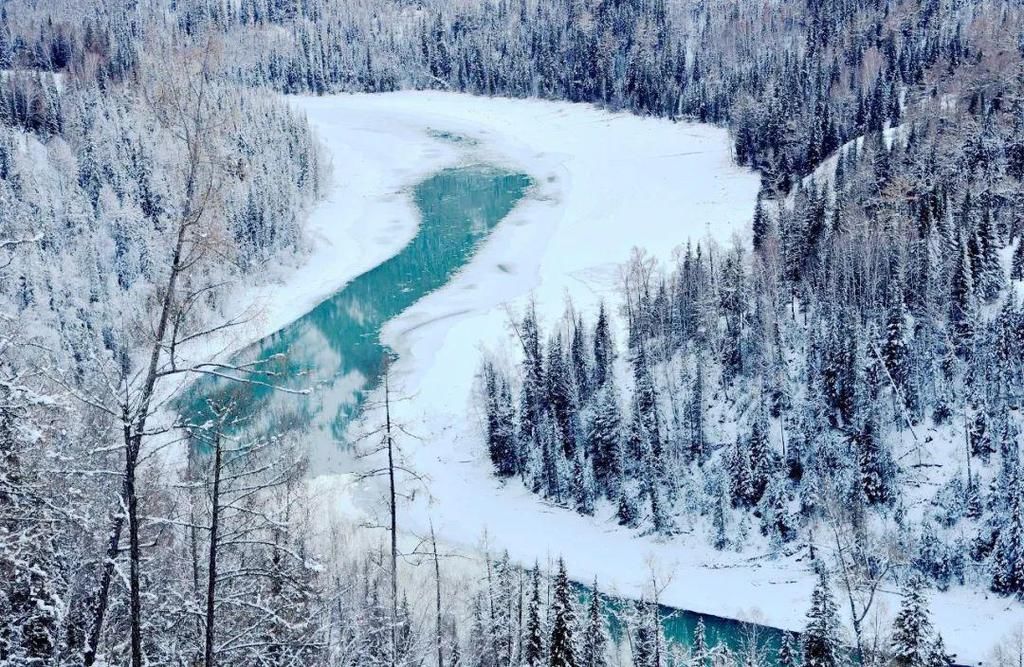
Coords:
pixel 989 271
pixel 700 653
pixel 500 422
pixel 532 386
pixel 562 647
pixel 646 634
pixel 604 349
pixel 535 649
pixel 595 640
pixel 777 521
pixel 605 439
pixel 696 445
pixel 583 486
pixel 763 459
pixel 787 651
pixel 741 474
pixel 560 399
pixel 821 645
pixel 963 305
pixel 761 224
pixel 581 366
pixel 914 641
pixel 874 463
pixel 1017 264
pixel 895 353
pixel 1008 556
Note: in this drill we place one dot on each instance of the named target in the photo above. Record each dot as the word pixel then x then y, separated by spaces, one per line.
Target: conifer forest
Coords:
pixel 512 333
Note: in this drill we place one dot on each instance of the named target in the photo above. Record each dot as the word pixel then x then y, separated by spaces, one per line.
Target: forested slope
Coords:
pixel 857 365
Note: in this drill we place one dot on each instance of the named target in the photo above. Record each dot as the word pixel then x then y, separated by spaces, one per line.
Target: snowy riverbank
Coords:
pixel 604 184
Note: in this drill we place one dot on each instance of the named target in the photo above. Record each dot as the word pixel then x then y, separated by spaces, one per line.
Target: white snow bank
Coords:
pixel 604 184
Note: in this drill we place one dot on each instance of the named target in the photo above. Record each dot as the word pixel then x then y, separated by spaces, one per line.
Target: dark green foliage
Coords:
pixel 562 647
pixel 914 641
pixel 821 642
pixel 595 640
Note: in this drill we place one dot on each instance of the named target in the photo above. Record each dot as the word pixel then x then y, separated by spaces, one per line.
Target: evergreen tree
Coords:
pixel 895 353
pixel 534 651
pixel 646 635
pixel 1008 555
pixel 787 652
pixel 741 475
pixel 763 460
pixel 594 651
pixel 583 483
pixel 696 445
pixel 821 638
pixel 761 224
pixel 580 363
pixel 914 641
pixel 500 423
pixel 562 651
pixel 989 273
pixel 560 397
pixel 1017 265
pixel 720 499
pixel 605 439
pixel 963 308
pixel 604 351
pixel 532 393
pixel 874 462
pixel 700 653
pixel 776 518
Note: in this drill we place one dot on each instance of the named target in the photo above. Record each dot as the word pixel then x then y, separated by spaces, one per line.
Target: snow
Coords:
pixel 604 183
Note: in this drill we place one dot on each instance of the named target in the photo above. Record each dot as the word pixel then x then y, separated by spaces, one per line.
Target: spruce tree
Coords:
pixel 627 512
pixel 821 638
pixel 696 446
pixel 533 378
pixel 762 459
pixel 534 653
pixel 560 397
pixel 720 505
pixel 1008 555
pixel 741 475
pixel 562 648
pixel 1017 266
pixel 873 461
pixel 646 635
pixel 580 362
pixel 500 423
pixel 895 352
pixel 700 654
pixel 760 225
pixel 583 490
pixel 990 277
pixel 595 637
pixel 963 307
pixel 776 519
pixel 605 439
pixel 787 652
pixel 914 641
pixel 604 352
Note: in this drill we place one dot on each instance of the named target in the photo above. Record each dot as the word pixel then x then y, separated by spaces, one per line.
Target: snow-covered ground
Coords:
pixel 605 183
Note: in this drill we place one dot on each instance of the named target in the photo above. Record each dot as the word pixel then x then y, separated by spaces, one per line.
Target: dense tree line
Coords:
pixel 873 324
pixel 746 394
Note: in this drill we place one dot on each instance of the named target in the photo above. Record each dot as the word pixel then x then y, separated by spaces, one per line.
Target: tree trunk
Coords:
pixel 134 555
pixel 211 574
pixel 134 427
pixel 437 600
pixel 394 523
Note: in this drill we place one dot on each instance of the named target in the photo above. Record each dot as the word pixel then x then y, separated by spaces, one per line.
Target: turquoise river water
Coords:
pixel 335 350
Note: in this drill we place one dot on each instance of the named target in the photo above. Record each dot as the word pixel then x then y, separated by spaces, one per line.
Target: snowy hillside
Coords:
pixel 680 185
